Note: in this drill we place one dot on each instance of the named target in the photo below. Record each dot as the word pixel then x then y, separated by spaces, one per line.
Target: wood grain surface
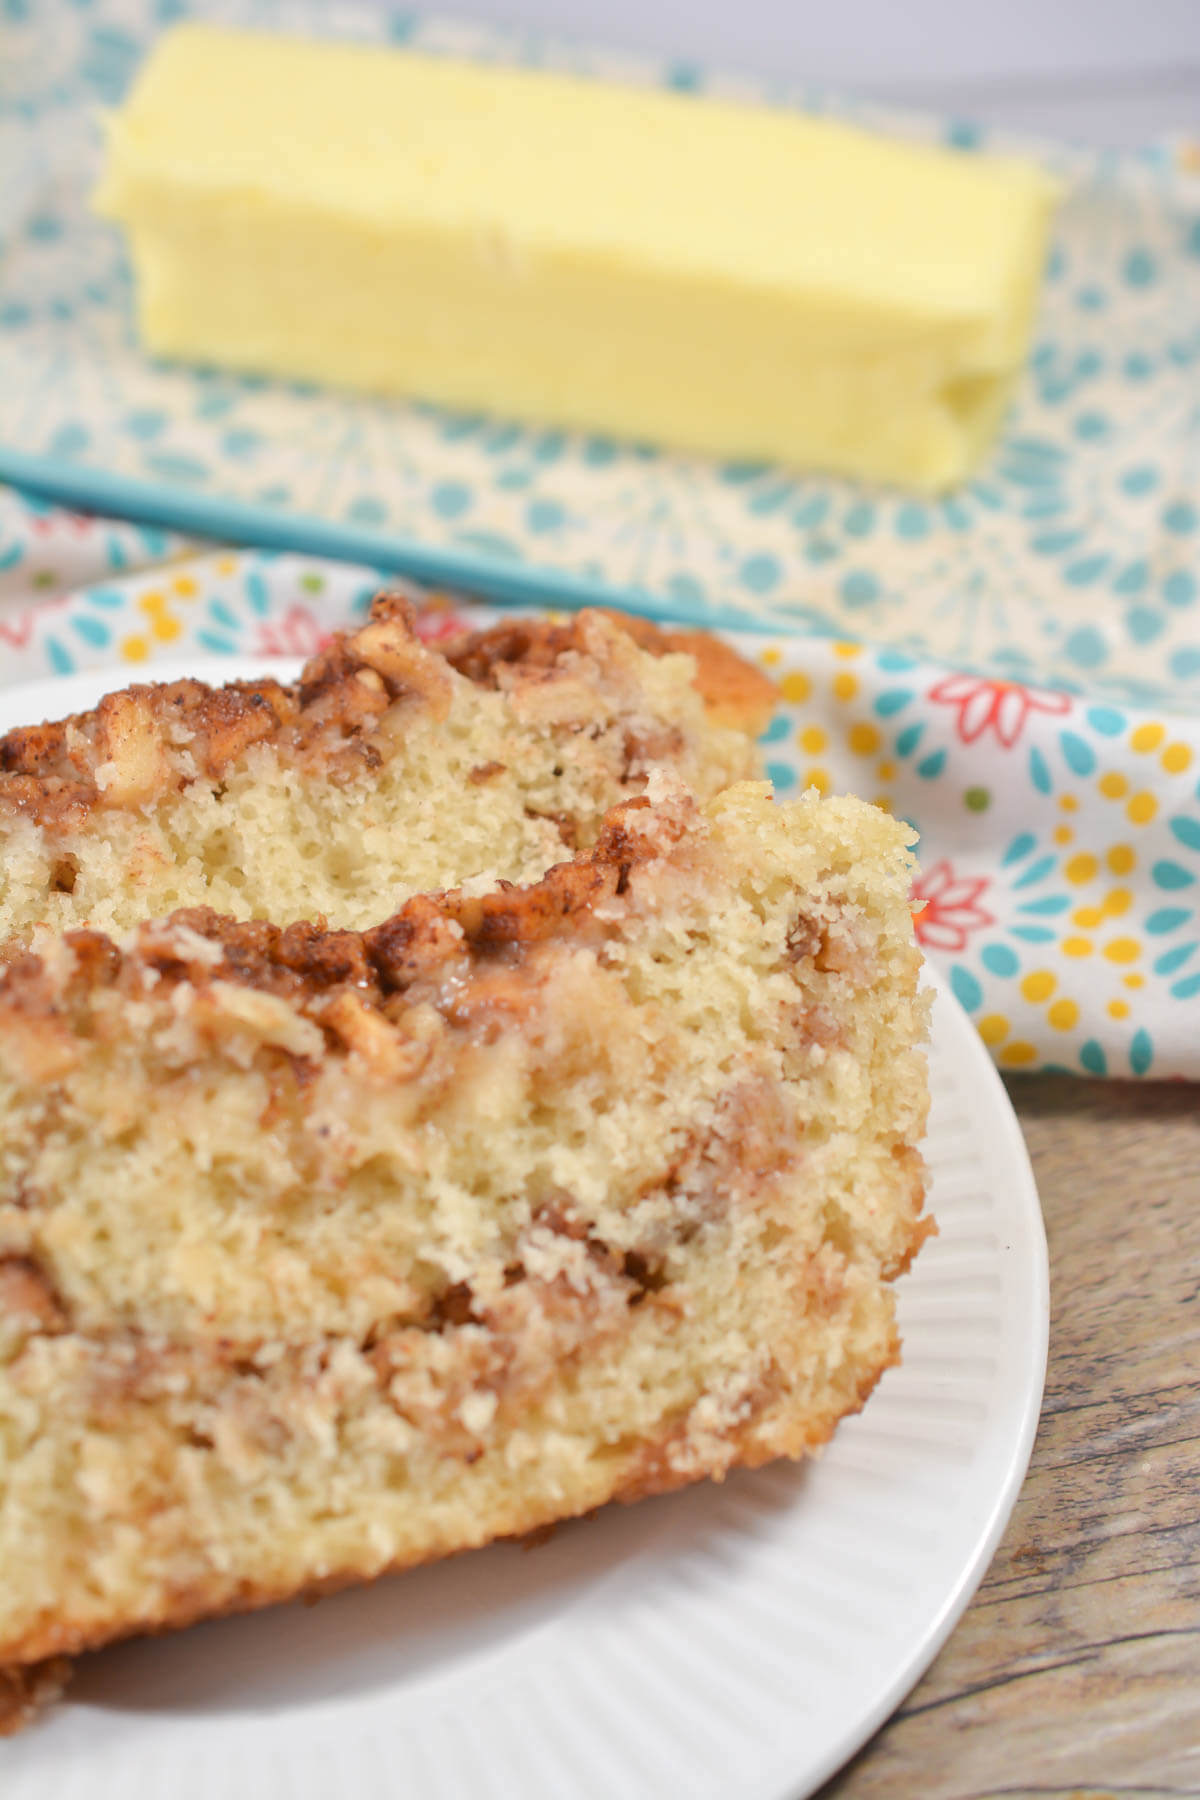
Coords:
pixel 1076 1670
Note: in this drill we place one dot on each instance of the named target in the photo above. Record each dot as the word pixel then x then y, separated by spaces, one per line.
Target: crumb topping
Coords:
pixel 138 745
pixel 734 692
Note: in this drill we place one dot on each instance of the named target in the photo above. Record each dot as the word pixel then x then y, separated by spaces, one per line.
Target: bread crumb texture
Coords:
pixel 386 769
pixel 327 1248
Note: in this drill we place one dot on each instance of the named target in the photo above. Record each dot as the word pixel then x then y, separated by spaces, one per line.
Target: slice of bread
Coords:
pixel 327 1252
pixel 388 768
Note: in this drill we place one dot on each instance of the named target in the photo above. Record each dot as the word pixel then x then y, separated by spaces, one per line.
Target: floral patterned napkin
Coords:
pixel 1060 835
pixel 1071 560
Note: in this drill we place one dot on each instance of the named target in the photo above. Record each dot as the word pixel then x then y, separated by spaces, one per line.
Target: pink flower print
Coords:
pixel 18 632
pixel 297 633
pixel 437 621
pixel 946 907
pixel 42 524
pixel 1003 706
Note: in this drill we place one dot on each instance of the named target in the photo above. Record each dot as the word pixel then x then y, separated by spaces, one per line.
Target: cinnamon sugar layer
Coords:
pixel 382 771
pixel 328 1246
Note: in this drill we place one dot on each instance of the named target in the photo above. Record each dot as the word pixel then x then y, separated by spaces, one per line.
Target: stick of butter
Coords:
pixel 729 279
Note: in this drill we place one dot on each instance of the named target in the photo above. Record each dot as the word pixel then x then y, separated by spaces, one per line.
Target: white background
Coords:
pixel 1100 71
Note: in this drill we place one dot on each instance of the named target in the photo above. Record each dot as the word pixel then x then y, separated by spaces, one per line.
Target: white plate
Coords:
pixel 740 1640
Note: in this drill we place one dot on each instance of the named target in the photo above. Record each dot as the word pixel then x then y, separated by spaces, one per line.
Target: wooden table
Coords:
pixel 1076 1669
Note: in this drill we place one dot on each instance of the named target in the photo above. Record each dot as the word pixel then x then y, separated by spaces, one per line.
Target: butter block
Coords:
pixel 729 279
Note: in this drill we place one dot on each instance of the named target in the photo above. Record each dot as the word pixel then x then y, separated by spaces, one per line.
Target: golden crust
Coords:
pixel 30 1685
pixel 26 1689
pixel 734 692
